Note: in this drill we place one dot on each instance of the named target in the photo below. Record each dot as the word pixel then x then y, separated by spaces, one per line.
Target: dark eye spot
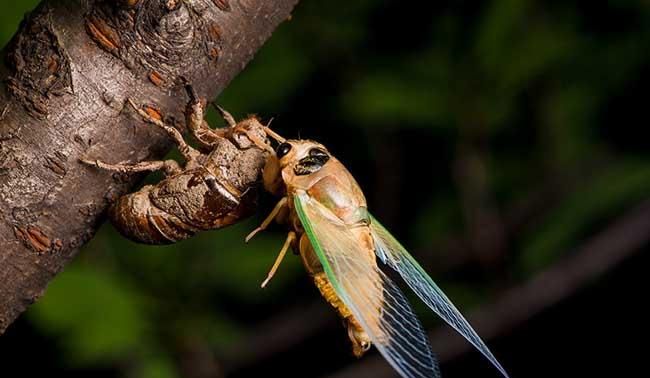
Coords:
pixel 311 163
pixel 283 149
pixel 318 153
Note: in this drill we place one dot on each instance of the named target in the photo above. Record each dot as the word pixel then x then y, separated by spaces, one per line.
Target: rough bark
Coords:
pixel 65 78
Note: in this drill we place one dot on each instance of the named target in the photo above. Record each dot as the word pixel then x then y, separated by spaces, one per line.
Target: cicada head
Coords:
pixel 293 158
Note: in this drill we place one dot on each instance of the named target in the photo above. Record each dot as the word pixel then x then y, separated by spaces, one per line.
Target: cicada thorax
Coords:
pixel 177 207
pixel 333 187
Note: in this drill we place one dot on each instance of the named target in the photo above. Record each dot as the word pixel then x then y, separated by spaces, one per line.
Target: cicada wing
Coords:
pixel 393 254
pixel 374 300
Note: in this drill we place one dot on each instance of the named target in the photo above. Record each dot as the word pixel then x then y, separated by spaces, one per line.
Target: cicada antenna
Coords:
pixel 273 134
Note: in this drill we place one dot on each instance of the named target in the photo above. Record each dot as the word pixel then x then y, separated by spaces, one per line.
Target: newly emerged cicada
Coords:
pixel 340 244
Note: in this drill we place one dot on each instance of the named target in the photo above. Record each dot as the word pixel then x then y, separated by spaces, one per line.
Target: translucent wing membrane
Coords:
pixel 374 300
pixel 391 252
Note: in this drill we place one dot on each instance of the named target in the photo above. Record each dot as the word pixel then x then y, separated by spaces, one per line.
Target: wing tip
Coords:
pixel 502 370
pixel 496 364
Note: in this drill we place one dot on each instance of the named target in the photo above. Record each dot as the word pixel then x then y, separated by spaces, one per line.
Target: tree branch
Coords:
pixel 65 80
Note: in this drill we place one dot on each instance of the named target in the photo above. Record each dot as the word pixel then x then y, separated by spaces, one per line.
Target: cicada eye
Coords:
pixel 282 150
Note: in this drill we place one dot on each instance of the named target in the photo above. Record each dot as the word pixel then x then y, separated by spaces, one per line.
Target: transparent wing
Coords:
pixel 391 252
pixel 374 300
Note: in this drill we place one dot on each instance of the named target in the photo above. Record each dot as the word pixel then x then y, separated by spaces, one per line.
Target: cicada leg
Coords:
pixel 274 213
pixel 188 152
pixel 169 167
pixel 242 128
pixel 281 205
pixel 287 243
pixel 207 137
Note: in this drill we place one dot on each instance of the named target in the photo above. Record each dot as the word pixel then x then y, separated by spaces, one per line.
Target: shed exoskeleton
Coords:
pixel 197 195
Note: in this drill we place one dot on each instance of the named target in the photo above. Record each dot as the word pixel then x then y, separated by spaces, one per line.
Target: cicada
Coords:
pixel 341 245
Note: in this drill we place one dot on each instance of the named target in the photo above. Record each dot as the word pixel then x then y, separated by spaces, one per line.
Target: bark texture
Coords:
pixel 65 79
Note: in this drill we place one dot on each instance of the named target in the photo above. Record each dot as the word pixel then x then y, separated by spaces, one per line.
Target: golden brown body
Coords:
pixel 326 180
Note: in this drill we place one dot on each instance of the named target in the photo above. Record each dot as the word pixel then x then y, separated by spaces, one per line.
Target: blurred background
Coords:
pixel 504 142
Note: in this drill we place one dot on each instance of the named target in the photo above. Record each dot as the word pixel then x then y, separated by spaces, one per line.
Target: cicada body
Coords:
pixel 340 244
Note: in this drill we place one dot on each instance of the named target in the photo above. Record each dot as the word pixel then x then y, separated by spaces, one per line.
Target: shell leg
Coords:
pixel 218 183
pixel 206 136
pixel 188 152
pixel 245 128
pixel 169 167
pixel 230 120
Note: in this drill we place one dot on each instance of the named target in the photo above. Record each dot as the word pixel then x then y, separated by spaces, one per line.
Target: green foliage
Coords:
pixel 612 189
pixel 97 316
pixel 11 16
pixel 159 367
pixel 269 85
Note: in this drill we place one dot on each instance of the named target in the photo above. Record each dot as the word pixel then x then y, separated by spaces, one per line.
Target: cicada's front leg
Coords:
pixel 359 338
pixel 279 211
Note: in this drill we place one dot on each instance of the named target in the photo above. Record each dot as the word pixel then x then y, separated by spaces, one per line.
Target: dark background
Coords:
pixel 504 142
